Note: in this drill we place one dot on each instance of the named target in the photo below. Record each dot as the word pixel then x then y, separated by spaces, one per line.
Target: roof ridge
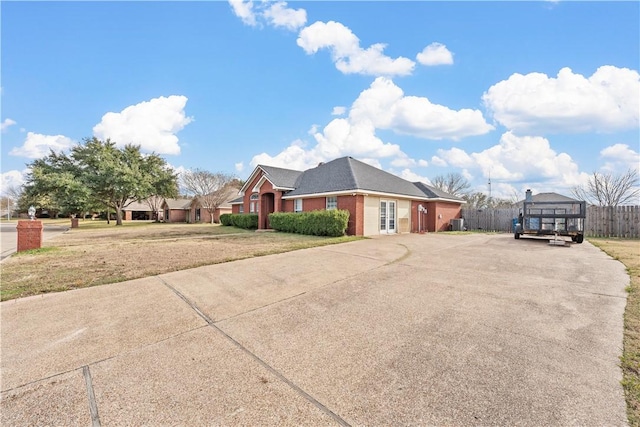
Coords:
pixel 353 175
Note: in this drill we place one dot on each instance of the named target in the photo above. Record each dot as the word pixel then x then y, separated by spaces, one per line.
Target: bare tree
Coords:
pixel 155 204
pixel 10 199
pixel 212 189
pixel 607 189
pixel 452 183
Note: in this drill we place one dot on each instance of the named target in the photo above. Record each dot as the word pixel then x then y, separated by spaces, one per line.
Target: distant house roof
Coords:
pixel 549 197
pixel 231 194
pixel 137 206
pixel 177 204
pixel 346 175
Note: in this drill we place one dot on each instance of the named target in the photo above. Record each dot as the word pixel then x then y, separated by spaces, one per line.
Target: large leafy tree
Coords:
pixel 53 184
pixel 211 188
pixel 97 173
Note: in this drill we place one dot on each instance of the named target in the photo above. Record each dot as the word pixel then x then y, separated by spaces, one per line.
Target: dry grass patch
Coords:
pixel 90 257
pixel 628 252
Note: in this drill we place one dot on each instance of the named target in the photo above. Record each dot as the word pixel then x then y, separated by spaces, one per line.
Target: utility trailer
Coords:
pixel 552 218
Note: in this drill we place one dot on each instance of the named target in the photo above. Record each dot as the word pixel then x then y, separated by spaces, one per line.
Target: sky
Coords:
pixel 525 95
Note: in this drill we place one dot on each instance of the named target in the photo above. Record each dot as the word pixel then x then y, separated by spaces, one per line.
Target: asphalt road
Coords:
pixel 9 236
pixel 420 330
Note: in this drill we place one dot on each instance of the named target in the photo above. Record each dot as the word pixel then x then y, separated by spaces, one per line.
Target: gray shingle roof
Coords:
pixel 549 197
pixel 178 203
pixel 279 177
pixel 346 174
pixel 435 193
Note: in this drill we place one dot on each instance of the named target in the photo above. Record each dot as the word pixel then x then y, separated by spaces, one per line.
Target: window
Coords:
pixel 297 205
pixel 332 203
pixel 254 204
pixel 198 215
pixel 241 209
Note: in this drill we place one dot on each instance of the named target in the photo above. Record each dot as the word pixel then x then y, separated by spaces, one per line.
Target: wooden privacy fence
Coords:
pixel 608 221
pixel 601 221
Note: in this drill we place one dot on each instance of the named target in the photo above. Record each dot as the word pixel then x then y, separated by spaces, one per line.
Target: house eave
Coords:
pixel 355 192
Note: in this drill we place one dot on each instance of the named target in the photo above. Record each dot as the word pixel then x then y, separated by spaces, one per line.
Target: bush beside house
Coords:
pixel 248 221
pixel 331 223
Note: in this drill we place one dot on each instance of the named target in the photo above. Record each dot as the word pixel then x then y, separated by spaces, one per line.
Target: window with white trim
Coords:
pixel 332 203
pixel 241 209
pixel 254 204
pixel 297 205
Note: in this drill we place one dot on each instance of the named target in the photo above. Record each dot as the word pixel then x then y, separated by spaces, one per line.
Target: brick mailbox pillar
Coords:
pixel 29 235
pixel 74 222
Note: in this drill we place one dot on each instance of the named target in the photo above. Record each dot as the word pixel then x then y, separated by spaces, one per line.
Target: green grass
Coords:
pixel 38 251
pixel 628 252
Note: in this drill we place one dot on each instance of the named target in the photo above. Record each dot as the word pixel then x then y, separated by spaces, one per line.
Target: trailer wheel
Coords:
pixel 516 235
pixel 579 238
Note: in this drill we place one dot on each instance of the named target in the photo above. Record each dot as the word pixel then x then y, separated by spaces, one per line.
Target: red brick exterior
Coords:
pixel 431 221
pixel 29 235
pixel 355 206
pixel 437 218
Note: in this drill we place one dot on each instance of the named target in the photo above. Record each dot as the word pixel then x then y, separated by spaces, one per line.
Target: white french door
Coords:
pixel 387 216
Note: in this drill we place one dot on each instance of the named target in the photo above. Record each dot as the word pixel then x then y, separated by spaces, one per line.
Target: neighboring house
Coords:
pixel 137 211
pixel 545 197
pixel 378 202
pixel 200 213
pixel 176 210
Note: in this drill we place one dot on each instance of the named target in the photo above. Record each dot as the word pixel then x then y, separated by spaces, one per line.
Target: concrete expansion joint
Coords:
pixel 255 357
pixel 93 406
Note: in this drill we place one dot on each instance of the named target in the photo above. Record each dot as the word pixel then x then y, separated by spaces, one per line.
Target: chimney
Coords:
pixel 527 196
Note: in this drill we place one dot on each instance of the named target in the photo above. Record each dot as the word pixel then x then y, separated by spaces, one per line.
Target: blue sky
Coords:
pixel 533 94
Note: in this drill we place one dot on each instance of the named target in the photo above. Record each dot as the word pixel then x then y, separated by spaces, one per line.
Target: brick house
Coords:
pixel 378 202
pixel 199 212
pixel 176 210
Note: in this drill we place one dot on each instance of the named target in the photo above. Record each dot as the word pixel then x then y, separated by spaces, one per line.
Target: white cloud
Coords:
pixel 37 145
pixel 411 176
pixel 528 159
pixel 6 124
pixel 239 166
pixel 387 107
pixel 607 101
pixel 382 106
pixel 12 178
pixel 276 14
pixel 279 15
pixel 620 157
pixel 435 54
pixel 244 11
pixel 346 52
pixel 338 111
pixel 150 124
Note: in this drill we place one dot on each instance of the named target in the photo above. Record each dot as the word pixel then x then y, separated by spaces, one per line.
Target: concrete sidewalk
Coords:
pixel 400 330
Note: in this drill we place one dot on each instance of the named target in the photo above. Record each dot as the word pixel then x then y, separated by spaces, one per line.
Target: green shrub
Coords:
pixel 318 223
pixel 248 221
pixel 225 219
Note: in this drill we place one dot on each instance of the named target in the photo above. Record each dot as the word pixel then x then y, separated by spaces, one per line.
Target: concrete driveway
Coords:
pixel 428 329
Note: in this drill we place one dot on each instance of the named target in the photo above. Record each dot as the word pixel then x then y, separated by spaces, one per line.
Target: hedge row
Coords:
pixel 318 223
pixel 248 221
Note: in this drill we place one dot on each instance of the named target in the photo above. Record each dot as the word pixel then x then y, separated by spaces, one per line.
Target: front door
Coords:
pixel 268 206
pixel 387 216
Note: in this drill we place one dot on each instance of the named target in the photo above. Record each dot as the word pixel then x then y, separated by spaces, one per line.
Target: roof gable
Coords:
pixel 177 203
pixel 280 178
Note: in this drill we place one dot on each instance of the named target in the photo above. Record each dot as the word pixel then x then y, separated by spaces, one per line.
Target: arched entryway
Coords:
pixel 267 207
